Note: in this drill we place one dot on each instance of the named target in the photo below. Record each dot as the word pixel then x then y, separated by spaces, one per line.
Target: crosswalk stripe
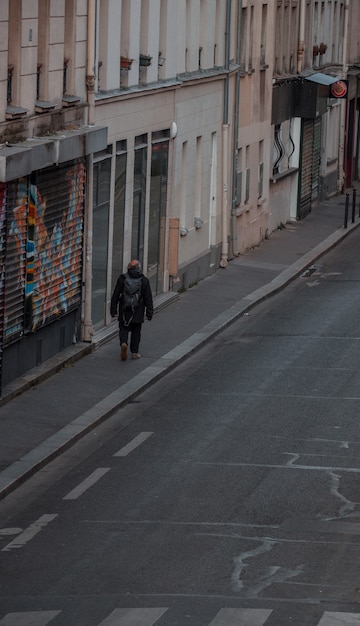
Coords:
pixel 237 617
pixel 134 443
pixel 340 619
pixel 29 533
pixel 133 617
pixel 30 618
pixel 87 483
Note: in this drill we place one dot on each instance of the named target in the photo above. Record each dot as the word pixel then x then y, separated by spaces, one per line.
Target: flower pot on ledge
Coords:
pixel 125 63
pixel 145 60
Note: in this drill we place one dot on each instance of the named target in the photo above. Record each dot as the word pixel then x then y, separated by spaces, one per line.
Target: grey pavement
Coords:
pixel 53 406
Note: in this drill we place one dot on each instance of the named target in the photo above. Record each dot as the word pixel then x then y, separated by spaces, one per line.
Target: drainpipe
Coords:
pixel 301 44
pixel 90 67
pixel 87 327
pixel 225 144
pixel 235 250
pixel 343 103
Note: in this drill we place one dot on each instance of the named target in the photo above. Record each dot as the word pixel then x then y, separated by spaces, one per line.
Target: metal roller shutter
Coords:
pixel 53 279
pixel 43 277
pixel 15 258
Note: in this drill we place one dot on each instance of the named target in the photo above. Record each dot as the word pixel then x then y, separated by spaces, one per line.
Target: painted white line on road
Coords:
pixel 29 618
pixel 235 617
pixel 88 482
pixel 138 617
pixel 10 531
pixel 340 619
pixel 311 468
pixel 29 533
pixel 134 443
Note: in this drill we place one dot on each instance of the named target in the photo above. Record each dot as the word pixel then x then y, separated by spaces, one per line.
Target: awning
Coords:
pixel 36 153
pixel 322 79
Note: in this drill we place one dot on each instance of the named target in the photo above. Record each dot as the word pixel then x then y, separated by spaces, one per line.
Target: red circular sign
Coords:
pixel 339 89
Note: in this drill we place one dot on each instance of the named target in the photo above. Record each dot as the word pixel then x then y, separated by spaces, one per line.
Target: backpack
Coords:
pixel 131 294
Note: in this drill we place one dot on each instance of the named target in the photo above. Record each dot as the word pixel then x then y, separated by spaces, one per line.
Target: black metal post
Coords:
pixel 346 210
pixel 353 206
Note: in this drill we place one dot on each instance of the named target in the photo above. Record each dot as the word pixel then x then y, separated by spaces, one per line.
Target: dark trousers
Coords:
pixel 135 335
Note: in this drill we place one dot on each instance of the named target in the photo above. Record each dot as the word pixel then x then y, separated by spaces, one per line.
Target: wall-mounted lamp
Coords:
pixel 174 130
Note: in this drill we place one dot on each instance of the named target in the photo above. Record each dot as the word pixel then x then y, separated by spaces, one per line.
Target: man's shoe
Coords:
pixel 123 354
pixel 135 355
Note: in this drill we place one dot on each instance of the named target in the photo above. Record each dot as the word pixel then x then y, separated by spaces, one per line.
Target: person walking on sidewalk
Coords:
pixel 131 301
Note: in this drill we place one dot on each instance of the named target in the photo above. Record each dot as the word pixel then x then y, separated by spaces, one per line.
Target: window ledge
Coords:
pixel 69 101
pixel 41 106
pixel 13 113
pixel 331 161
pixel 276 177
pixel 261 201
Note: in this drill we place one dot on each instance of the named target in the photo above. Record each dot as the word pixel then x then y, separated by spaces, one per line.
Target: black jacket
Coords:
pixel 146 302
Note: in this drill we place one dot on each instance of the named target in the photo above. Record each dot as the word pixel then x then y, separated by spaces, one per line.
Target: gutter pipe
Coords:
pixel 87 327
pixel 235 250
pixel 225 145
pixel 343 103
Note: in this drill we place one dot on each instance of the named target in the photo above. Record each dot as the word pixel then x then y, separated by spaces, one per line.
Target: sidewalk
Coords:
pixel 46 411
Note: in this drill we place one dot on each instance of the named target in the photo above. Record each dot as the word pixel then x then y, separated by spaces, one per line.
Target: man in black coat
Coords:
pixel 130 320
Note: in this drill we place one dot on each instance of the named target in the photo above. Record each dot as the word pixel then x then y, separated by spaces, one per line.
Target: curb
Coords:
pixel 19 471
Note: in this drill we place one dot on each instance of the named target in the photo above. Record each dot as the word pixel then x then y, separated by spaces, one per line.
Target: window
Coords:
pixel 157 213
pixel 263 35
pixel 69 42
pixel 247 174
pixel 14 48
pixel 261 170
pixel 101 205
pixel 139 195
pixel 9 91
pixel 43 51
pixel 119 210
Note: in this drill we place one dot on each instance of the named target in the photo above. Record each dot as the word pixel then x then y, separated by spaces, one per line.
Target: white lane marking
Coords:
pixel 87 483
pixel 315 468
pixel 10 531
pixel 29 618
pixel 340 619
pixel 29 533
pixel 235 617
pixel 134 443
pixel 133 617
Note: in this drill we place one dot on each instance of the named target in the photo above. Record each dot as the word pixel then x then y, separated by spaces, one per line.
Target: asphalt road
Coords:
pixel 227 494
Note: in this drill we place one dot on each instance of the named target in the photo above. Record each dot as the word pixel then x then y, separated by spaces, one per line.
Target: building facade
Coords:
pixel 314 104
pixel 179 133
pixel 45 151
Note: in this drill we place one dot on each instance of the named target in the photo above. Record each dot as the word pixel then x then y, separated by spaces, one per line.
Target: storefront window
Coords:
pixel 101 203
pixel 138 218
pixel 119 215
pixel 157 217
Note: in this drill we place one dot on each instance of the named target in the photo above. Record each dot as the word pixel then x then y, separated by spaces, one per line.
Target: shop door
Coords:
pixel 316 161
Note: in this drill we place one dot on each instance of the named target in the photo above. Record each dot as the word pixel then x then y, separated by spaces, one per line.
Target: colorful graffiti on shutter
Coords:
pixel 54 245
pixel 15 258
pixel 46 230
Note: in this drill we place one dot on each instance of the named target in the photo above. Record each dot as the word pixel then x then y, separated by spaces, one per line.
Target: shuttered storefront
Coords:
pixel 306 166
pixel 310 165
pixel 43 277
